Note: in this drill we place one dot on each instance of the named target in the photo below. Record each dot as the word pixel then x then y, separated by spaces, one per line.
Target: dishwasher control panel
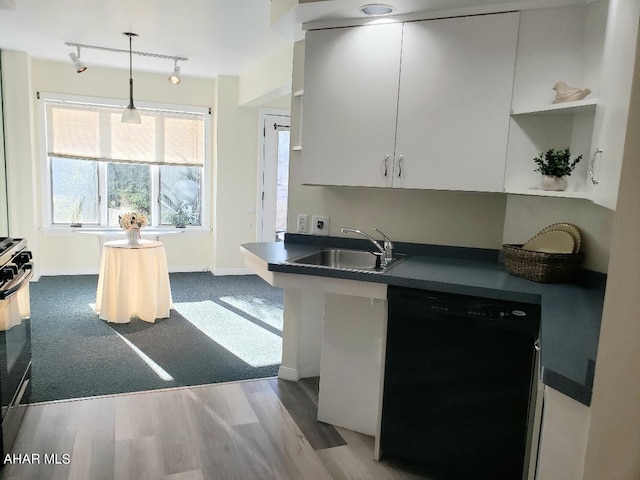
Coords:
pixel 478 307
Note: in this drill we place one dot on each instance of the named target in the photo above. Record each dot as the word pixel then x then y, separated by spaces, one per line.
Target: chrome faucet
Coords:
pixel 388 246
pixel 386 250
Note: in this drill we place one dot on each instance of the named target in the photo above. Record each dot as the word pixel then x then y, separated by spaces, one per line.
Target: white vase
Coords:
pixel 550 182
pixel 133 236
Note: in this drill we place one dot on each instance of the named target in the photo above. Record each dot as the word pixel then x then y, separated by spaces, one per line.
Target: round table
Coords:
pixel 133 281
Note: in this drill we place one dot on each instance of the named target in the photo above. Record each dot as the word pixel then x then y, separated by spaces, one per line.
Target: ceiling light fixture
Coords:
pixel 79 64
pixel 376 10
pixel 130 114
pixel 174 78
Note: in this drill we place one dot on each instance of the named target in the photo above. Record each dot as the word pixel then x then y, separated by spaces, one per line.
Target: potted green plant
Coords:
pixel 555 166
pixel 182 218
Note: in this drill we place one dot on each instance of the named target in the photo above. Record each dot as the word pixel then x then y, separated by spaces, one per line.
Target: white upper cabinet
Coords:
pixel 454 103
pixel 350 103
pixel 613 102
pixel 424 108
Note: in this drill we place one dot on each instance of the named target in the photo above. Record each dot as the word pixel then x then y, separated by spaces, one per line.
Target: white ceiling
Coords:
pixel 220 37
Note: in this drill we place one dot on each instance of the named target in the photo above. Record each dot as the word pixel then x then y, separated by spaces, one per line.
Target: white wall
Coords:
pixel 443 218
pixel 235 176
pixel 20 139
pixel 268 81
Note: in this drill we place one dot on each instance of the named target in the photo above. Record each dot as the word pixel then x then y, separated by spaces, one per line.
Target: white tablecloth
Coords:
pixel 133 281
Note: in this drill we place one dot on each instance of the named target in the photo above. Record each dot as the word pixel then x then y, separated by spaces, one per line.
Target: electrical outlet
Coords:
pixel 320 225
pixel 303 223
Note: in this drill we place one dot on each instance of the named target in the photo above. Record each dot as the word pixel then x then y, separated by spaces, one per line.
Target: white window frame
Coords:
pixel 46 208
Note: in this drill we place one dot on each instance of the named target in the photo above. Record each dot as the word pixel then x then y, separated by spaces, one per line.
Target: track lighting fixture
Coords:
pixel 79 64
pixel 130 114
pixel 174 78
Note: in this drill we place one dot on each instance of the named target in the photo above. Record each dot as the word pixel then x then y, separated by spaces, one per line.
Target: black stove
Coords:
pixel 16 270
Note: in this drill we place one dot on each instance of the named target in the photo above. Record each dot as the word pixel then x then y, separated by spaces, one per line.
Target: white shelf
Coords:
pixel 545 193
pixel 296 148
pixel 567 108
pixel 298 93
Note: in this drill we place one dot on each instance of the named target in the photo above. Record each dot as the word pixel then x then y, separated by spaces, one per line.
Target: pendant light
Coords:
pixel 130 114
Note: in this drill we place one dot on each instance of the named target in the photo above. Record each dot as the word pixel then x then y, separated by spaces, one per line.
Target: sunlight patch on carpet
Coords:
pixel 251 343
pixel 157 369
pixel 258 308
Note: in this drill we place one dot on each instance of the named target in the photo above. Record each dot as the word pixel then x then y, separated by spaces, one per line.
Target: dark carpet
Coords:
pixel 221 329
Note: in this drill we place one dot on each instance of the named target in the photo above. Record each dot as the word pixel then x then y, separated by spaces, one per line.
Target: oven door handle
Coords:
pixel 18 283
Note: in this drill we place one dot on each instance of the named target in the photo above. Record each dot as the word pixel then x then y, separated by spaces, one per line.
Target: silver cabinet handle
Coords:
pixel 592 164
pixel 386 161
pixel 400 165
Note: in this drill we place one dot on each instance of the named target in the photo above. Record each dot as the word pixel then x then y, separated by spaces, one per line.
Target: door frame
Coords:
pixel 262 115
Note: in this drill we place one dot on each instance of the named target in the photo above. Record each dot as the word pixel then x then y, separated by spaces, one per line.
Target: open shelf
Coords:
pixel 545 193
pixel 566 108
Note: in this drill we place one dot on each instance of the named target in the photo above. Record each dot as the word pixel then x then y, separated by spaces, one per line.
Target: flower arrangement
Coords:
pixel 132 220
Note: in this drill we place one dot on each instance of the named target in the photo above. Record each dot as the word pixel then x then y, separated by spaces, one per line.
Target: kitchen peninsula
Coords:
pixel 570 312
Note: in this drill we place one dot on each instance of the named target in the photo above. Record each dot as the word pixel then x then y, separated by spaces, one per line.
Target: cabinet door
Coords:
pixel 610 127
pixel 454 102
pixel 350 102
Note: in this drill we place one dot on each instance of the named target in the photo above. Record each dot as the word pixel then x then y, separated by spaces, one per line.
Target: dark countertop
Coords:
pixel 571 313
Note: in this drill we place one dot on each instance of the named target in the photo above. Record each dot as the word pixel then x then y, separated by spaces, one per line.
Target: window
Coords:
pixel 98 168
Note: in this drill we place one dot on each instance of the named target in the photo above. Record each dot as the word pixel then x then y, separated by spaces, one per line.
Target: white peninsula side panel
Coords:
pixel 351 371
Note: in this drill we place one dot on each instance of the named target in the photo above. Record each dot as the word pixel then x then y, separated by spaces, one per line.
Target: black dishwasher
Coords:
pixel 458 383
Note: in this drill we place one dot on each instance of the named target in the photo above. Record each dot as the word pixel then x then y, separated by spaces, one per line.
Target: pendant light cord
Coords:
pixel 130 75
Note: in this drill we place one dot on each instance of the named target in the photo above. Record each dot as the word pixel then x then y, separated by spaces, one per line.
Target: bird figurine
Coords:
pixel 564 93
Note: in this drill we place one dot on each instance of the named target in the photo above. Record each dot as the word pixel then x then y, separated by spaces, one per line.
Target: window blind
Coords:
pixel 95 132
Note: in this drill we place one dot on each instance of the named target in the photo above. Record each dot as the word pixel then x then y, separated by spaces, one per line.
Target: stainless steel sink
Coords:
pixel 341 259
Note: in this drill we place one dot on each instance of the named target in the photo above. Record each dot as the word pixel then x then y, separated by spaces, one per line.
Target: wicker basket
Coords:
pixel 540 266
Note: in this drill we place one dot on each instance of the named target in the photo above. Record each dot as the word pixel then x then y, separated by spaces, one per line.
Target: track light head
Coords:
pixel 79 64
pixel 174 78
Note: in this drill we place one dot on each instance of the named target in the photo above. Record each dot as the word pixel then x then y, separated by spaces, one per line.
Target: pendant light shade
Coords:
pixel 130 114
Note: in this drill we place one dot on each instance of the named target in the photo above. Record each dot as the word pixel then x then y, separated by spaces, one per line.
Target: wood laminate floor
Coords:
pixel 262 429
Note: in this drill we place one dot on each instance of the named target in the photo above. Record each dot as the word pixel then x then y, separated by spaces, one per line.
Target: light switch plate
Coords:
pixel 320 225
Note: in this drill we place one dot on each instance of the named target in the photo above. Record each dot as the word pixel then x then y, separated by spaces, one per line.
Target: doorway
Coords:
pixel 274 185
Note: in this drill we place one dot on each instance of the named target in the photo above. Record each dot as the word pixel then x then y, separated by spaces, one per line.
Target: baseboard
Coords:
pixel 221 272
pixel 308 371
pixel 287 373
pixel 54 272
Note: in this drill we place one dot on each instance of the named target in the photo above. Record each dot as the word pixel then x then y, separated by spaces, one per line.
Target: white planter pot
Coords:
pixel 549 182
